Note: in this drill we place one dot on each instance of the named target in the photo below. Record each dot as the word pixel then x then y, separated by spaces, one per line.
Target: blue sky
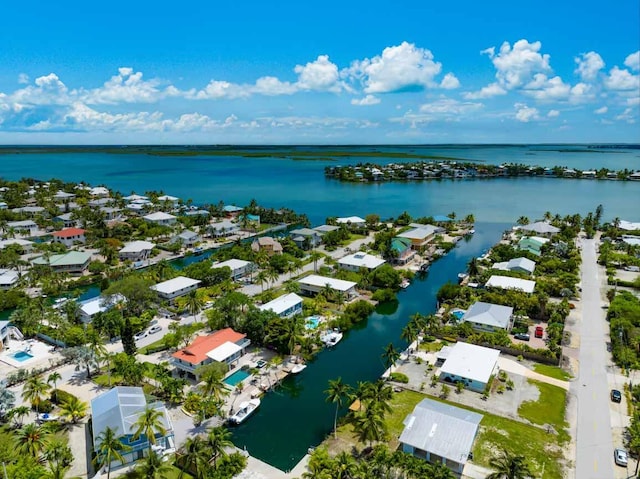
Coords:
pixel 319 72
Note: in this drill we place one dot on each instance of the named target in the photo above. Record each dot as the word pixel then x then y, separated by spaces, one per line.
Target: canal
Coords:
pixel 296 415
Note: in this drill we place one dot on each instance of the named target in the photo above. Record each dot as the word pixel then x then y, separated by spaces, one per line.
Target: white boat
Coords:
pixel 405 283
pixel 298 368
pixel 332 338
pixel 245 410
pixel 472 231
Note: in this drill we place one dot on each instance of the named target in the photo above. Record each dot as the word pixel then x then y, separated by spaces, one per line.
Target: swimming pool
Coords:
pixel 21 356
pixel 236 377
pixel 312 322
pixel 458 313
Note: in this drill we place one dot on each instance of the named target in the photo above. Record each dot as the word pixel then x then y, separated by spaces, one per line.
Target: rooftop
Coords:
pixel 198 350
pixel 175 284
pixel 350 219
pixel 72 258
pixel 490 314
pixel 322 281
pixel 361 260
pixel 137 246
pixel 158 216
pixel 421 232
pixel 69 232
pixel 232 263
pixel 506 282
pixel 470 361
pixel 282 303
pixel 540 227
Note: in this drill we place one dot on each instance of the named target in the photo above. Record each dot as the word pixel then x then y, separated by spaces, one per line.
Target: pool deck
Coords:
pixel 39 350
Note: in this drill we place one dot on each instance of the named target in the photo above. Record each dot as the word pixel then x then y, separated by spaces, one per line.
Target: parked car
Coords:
pixel 539 332
pixel 261 363
pixel 522 336
pixel 621 457
pixel 140 335
pixel 155 329
pixel 616 396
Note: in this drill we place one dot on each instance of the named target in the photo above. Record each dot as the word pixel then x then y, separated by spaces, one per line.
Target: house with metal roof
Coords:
pixel 401 248
pixel 351 221
pixel 285 306
pixel 160 218
pixel 176 287
pixel 223 228
pixel 470 364
pixel 88 309
pixel 489 317
pixel 187 238
pixel 313 284
pixel 119 409
pixel 73 262
pixel 8 279
pixel 520 265
pixel 136 251
pixel 507 282
pixel 322 229
pixel 422 235
pixel 540 228
pixel 306 238
pixel 25 245
pixel 239 268
pixel 67 220
pixel 25 227
pixel 360 259
pixel 440 433
pixel 532 244
pixel 223 346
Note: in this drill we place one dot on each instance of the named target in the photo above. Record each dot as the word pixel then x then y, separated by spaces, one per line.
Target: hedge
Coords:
pixel 59 396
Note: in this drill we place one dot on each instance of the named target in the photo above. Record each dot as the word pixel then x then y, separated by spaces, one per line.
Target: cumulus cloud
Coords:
pixel 633 61
pixel 525 113
pixel 272 86
pixel 627 115
pixel 217 89
pixel 515 66
pixel 553 113
pixel 23 79
pixel 622 79
pixel 449 82
pixel 444 109
pixel 319 75
pixel 589 64
pixel 601 110
pixel 126 87
pixel 489 91
pixel 546 89
pixel 366 101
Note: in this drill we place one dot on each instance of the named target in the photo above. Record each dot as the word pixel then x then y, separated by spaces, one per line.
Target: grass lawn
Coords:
pixel 548 409
pixel 155 344
pixel 552 372
pixel 172 473
pixel 432 347
pixel 103 380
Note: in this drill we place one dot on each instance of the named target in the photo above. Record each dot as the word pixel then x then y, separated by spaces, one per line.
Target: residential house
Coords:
pixel 169 200
pixel 176 287
pixel 99 191
pixel 532 244
pixel 134 198
pixel 629 225
pixel 223 228
pixel 489 317
pixel 520 265
pixel 69 236
pixel 100 202
pixel 352 221
pixel 88 309
pixel 119 409
pixel 136 251
pixel 285 306
pixel 507 282
pixel 239 268
pixel 161 218
pixel 25 245
pixel 421 235
pixel 187 238
pixel 67 220
pixel 110 213
pixel 224 346
pixel 73 262
pixel 62 196
pixel 8 279
pixel 305 238
pixel 470 364
pixel 232 210
pixel 355 261
pixel 322 229
pixel 30 211
pixel 402 250
pixel 313 284
pixel 3 205
pixel 440 434
pixel 541 228
pixel 268 244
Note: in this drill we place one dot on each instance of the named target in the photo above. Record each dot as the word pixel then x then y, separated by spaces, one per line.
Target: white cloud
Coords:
pixel 217 89
pixel 489 91
pixel 633 101
pixel 545 89
pixel 271 86
pixel 627 115
pixel 48 90
pixel 449 82
pixel 81 116
pixel 589 64
pixel 633 61
pixel 448 106
pixel 622 79
pixel 516 66
pixel 23 79
pixel 399 67
pixel 126 87
pixel 525 113
pixel 319 75
pixel 553 113
pixel 601 110
pixel 366 101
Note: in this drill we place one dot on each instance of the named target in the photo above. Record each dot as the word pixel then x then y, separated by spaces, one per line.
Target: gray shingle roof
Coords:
pixel 489 314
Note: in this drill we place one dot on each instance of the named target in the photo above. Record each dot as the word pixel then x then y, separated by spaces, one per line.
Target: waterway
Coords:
pixel 296 416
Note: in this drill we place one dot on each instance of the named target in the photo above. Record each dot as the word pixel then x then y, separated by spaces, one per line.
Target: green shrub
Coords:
pixel 384 296
pixel 45 406
pixel 58 396
pixel 399 377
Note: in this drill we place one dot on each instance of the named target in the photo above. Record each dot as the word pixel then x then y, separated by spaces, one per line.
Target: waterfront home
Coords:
pixel 64 196
pixel 421 236
pixel 73 262
pixel 88 309
pixel 136 251
pixel 268 244
pixel 629 225
pixel 25 245
pixel 351 221
pixel 136 208
pixel 239 268
pixel 360 259
pixel 631 240
pixel 98 192
pixel 176 287
pixel 322 229
pixel 119 409
pixel 312 285
pixel 187 238
pixel 232 210
pixel 69 236
pixel 532 244
pixel 110 213
pixel 520 265
pixel 507 282
pixel 224 346
pixel 197 213
pixel 440 433
pixel 402 250
pixel 489 317
pixel 472 365
pixel 67 220
pixel 169 200
pixel 223 228
pixel 160 218
pixel 541 228
pixel 98 202
pixel 135 198
pixel 305 238
pixel 3 205
pixel 29 211
pixel 285 306
pixel 8 279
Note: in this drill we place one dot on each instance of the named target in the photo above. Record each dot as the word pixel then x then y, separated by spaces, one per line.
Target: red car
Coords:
pixel 539 332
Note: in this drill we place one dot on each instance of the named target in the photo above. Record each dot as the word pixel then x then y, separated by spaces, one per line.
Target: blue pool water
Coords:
pixel 237 377
pixel 458 314
pixel 312 322
pixel 21 356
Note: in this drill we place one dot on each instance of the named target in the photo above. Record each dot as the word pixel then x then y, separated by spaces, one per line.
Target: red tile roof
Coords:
pixel 197 351
pixel 69 232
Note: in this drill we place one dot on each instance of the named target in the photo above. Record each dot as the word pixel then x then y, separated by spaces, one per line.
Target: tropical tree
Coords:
pixel 54 377
pixel 262 277
pixel 218 440
pixel 509 466
pixel 32 439
pixel 523 220
pixel 7 399
pixel 410 332
pixel 58 457
pixel 34 390
pixel 194 304
pixel 17 415
pixel 369 424
pixel 109 448
pixel 390 356
pixel 150 423
pixel 345 466
pixel 336 393
pixel 152 467
pixel 193 457
pixel 74 409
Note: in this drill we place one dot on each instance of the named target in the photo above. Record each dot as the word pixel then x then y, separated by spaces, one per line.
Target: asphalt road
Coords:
pixel 594 445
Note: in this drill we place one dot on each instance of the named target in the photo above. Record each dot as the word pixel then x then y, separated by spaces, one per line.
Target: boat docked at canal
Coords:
pixel 246 409
pixel 331 338
pixel 298 368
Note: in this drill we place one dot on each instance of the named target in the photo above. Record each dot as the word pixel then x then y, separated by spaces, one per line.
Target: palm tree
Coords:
pixel 32 439
pixel 409 332
pixel 346 466
pixel 369 425
pixel 193 457
pixel 315 256
pixel 194 304
pixel 59 457
pixel 378 395
pixel 153 467
pixel 213 386
pixel 150 422
pixel 509 466
pixel 523 220
pixel 109 449
pixel 336 393
pixel 74 409
pixel 218 439
pixel 17 415
pixel 390 356
pixel 33 391
pixel 7 400
pixel 54 377
pixel 272 275
pixel 262 277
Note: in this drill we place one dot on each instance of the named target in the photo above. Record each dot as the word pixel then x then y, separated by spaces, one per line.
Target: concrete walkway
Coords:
pixel 511 366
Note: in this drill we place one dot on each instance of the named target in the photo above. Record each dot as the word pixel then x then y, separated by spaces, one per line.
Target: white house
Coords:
pixel 25 245
pixel 136 251
pixel 489 317
pixel 440 433
pixel 67 220
pixel 187 238
pixel 314 283
pixel 99 192
pixel 521 265
pixel 25 228
pixel 506 282
pixel 223 228
pixel 239 268
pixel 160 218
pixel 8 279
pixel 176 287
pixel 351 220
pixel 133 198
pixel 172 200
pixel 540 228
pixel 420 236
pixel 89 308
pixel 472 365
pixel 69 236
pixel 355 261
pixel 284 306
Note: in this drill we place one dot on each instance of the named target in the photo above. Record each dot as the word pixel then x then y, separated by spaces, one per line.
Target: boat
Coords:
pixel 424 268
pixel 405 283
pixel 298 368
pixel 471 231
pixel 60 302
pixel 245 410
pixel 462 277
pixel 332 338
